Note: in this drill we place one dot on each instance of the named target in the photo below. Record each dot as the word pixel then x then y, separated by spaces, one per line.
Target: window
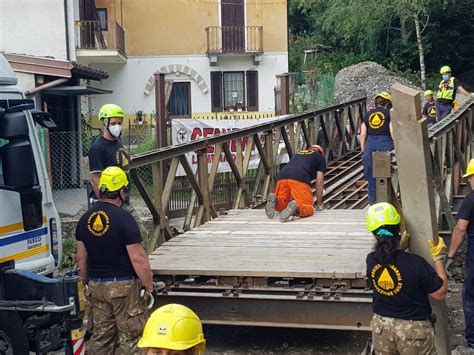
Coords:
pixel 233 90
pixel 179 104
pixel 103 18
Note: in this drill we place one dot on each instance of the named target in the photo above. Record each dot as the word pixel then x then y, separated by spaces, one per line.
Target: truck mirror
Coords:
pixel 18 164
pixel 44 119
pixel 19 174
pixel 13 125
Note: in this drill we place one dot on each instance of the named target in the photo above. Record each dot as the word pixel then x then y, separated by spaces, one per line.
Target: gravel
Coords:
pixel 365 79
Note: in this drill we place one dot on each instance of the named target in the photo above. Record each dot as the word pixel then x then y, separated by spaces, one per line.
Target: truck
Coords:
pixel 39 313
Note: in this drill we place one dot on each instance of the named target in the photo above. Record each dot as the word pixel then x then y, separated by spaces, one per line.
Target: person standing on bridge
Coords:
pixel 447 93
pixel 173 329
pixel 465 226
pixel 375 136
pixel 293 195
pixel 115 269
pixel 108 150
pixel 401 283
pixel 429 109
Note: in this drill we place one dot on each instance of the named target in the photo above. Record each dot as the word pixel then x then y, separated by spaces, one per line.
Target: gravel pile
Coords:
pixel 365 79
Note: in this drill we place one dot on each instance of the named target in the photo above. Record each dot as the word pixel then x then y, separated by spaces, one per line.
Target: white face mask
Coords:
pixel 116 130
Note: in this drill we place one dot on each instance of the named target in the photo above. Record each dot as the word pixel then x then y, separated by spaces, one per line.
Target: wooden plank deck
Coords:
pixel 330 244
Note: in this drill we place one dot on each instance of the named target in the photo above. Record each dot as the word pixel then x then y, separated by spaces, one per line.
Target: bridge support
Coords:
pixel 410 135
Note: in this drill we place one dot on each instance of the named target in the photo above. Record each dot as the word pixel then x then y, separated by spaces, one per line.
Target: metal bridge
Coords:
pixel 238 267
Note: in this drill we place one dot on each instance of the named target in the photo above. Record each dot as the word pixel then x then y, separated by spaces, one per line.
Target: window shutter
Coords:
pixel 252 90
pixel 216 91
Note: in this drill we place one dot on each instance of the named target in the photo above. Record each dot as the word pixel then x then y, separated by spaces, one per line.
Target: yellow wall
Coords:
pixel 173 27
pixel 272 15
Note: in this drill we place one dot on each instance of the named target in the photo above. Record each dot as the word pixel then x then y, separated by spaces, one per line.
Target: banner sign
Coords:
pixel 187 130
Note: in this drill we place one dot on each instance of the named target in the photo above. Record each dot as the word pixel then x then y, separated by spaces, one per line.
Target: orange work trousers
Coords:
pixel 300 191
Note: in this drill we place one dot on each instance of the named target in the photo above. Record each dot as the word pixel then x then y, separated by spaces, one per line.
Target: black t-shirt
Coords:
pixel 106 230
pixel 105 153
pixel 377 121
pixel 303 166
pixel 467 212
pixel 429 110
pixel 401 289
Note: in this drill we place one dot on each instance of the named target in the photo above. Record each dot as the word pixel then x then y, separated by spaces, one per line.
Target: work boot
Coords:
pixel 272 201
pixel 290 211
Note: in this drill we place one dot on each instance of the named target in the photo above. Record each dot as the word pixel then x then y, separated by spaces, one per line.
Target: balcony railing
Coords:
pixel 93 35
pixel 234 39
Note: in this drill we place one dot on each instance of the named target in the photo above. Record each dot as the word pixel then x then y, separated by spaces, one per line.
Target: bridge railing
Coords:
pixel 334 128
pixel 451 143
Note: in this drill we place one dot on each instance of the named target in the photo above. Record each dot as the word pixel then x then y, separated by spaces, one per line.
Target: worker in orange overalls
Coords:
pixel 293 194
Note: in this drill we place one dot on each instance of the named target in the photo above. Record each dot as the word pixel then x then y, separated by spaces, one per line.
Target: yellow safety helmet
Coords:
pixel 382 214
pixel 173 327
pixel 445 69
pixel 470 169
pixel 385 95
pixel 109 111
pixel 113 179
pixel 428 93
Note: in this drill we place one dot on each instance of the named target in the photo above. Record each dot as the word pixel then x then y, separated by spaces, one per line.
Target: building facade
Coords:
pixel 219 57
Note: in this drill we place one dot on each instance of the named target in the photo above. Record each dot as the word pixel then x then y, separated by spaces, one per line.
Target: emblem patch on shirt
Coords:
pixel 376 120
pixel 98 223
pixel 432 111
pixel 386 280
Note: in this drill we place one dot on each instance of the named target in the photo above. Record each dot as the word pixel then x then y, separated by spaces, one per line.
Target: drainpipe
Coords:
pixel 69 26
pixel 66 29
pixel 51 84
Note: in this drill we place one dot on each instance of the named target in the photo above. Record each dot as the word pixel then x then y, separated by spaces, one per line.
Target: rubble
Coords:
pixel 365 79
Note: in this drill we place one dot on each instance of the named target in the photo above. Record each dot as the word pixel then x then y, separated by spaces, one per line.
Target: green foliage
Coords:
pixel 382 31
pixel 69 254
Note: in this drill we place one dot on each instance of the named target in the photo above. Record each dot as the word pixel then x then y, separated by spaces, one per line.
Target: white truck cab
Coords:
pixel 30 232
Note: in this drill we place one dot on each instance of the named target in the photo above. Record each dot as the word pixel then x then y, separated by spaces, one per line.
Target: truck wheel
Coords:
pixel 13 339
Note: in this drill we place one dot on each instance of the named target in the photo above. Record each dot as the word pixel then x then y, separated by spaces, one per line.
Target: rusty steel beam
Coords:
pixel 306 311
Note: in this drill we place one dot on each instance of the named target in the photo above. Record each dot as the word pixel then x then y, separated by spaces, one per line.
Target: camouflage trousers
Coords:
pixel 118 314
pixel 398 336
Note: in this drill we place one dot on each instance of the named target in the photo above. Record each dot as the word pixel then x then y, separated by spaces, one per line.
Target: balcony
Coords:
pixel 234 40
pixel 96 43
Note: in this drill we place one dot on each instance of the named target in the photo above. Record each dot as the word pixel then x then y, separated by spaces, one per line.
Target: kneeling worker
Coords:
pixel 173 329
pixel 294 181
pixel 402 283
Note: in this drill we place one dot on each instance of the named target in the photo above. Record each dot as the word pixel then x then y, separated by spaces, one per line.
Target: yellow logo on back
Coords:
pixel 376 120
pixel 386 280
pixel 98 223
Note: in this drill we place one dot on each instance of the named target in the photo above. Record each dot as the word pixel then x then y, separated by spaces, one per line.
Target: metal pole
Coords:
pixel 410 135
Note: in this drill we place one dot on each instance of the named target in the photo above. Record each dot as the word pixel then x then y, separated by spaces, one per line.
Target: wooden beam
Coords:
pixel 169 184
pixel 410 135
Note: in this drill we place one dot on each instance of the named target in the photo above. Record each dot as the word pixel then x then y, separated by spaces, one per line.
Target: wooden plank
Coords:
pixel 245 243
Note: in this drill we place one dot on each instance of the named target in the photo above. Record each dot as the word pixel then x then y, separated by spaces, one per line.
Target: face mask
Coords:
pixel 445 77
pixel 116 130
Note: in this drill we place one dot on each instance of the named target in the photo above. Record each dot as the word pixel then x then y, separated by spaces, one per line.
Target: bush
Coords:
pixel 69 253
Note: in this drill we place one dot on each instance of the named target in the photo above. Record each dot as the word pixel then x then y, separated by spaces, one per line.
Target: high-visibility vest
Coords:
pixel 446 92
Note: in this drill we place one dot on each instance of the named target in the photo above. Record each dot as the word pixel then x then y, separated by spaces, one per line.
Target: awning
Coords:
pixel 76 90
pixel 54 67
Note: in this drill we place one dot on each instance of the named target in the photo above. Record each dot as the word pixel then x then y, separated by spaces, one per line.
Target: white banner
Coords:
pixel 187 130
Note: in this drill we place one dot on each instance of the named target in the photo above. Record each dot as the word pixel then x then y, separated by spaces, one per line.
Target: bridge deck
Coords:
pixel 330 244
